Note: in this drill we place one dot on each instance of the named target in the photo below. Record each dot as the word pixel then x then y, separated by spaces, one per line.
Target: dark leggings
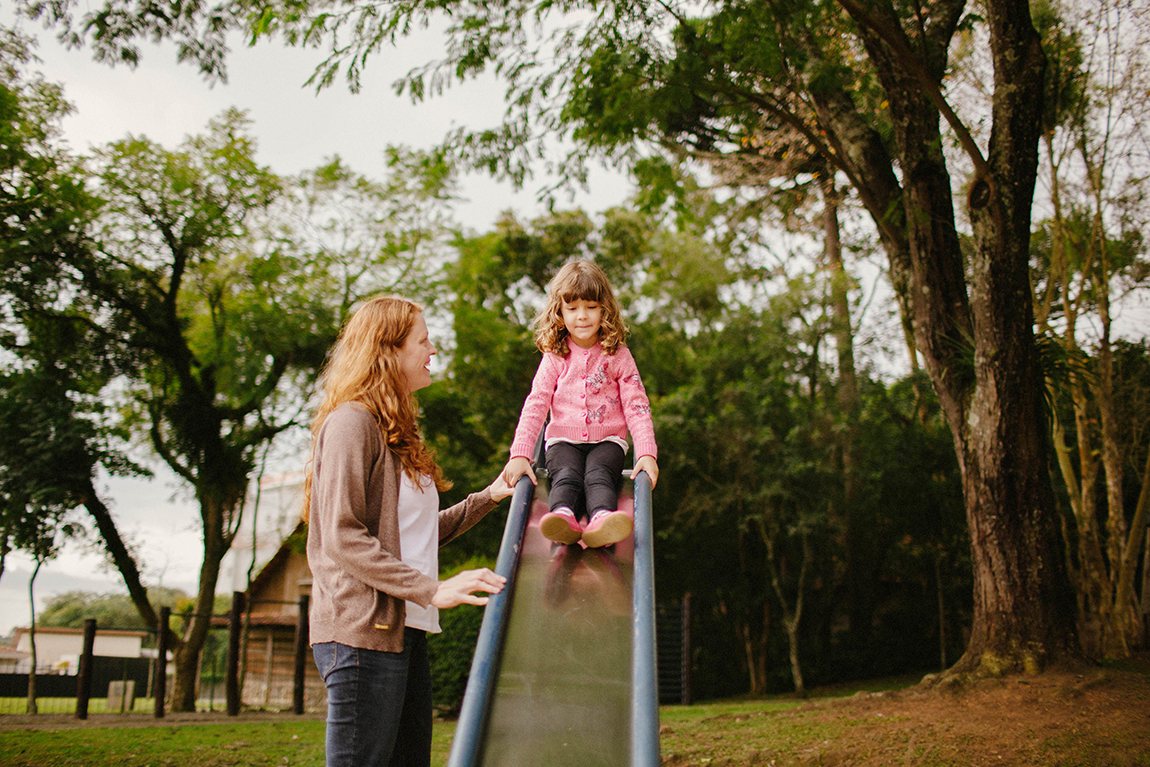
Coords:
pixel 591 471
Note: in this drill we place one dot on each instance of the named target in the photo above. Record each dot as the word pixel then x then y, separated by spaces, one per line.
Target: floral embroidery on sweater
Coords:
pixel 596 380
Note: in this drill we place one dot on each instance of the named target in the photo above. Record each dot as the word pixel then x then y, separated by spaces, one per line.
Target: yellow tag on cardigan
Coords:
pixel 382 627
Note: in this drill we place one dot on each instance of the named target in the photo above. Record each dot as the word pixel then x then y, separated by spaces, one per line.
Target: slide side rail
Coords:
pixel 644 666
pixel 465 748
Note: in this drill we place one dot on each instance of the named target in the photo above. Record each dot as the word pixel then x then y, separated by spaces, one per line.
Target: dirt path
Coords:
pixel 1094 718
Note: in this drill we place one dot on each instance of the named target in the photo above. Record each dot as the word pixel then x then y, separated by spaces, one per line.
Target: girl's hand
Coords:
pixel 516 468
pixel 457 589
pixel 647 463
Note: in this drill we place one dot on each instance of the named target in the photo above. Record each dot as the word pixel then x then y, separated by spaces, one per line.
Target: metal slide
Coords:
pixel 564 670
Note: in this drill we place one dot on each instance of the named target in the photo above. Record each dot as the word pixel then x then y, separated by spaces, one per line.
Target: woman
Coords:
pixel 372 501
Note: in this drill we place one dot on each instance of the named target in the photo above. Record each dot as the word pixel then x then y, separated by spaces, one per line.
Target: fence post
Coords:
pixel 235 626
pixel 160 676
pixel 687 649
pixel 301 643
pixel 84 675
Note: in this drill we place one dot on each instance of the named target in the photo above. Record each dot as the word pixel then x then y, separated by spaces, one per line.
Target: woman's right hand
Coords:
pixel 516 468
pixel 457 590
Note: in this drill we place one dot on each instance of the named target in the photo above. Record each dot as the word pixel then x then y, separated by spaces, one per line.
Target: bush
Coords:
pixel 451 651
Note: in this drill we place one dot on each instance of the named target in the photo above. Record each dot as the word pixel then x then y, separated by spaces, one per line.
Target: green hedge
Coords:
pixel 451 651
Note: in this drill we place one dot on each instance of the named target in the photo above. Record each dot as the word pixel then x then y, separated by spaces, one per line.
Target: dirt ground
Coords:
pixel 1087 719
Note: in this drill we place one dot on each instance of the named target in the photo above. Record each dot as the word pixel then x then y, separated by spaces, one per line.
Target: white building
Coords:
pixel 13 661
pixel 60 648
pixel 271 514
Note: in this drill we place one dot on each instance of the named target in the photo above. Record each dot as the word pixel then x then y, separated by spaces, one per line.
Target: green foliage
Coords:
pixel 1066 79
pixel 1132 400
pixel 53 426
pixel 179 297
pixel 111 611
pixel 451 650
pixel 451 653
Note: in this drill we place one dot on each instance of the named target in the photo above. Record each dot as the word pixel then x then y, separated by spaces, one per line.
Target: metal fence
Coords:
pixel 673 630
pixel 249 660
pixel 252 659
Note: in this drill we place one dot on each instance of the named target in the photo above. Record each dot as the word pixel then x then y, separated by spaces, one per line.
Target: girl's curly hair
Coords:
pixel 579 280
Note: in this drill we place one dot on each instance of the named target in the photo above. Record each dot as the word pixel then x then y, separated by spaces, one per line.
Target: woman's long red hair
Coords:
pixel 363 367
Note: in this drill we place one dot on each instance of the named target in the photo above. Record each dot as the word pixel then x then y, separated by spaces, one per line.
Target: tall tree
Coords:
pixel 1089 252
pixel 216 314
pixel 863 82
pixel 56 430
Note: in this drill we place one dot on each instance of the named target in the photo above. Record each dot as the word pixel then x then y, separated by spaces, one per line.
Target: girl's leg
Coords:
pixel 565 466
pixel 602 477
pixel 413 742
pixel 365 692
pixel 565 472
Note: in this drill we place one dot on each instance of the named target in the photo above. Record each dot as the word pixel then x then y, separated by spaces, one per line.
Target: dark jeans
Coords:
pixel 378 704
pixel 585 471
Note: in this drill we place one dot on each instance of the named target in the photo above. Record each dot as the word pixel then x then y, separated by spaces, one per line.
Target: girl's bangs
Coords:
pixel 581 287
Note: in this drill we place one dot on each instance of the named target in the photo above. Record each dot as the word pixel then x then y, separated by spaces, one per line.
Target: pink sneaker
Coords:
pixel 560 528
pixel 607 528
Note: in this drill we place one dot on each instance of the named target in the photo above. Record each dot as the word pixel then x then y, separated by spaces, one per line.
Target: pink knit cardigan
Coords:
pixel 591 396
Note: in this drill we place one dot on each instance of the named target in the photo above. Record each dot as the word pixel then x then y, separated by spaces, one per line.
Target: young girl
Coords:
pixel 589 383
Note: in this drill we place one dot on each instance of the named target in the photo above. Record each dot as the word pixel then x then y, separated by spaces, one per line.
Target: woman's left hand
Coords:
pixel 499 489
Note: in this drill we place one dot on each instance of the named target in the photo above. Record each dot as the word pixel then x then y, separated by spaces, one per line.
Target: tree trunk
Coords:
pixel 796 667
pixel 1124 591
pixel 791 620
pixel 858 576
pixel 187 655
pixel 1091 562
pixel 1093 597
pixel 1108 624
pixel 33 706
pixel 977 337
pixel 1024 608
pixel 1144 606
pixel 1121 628
pixel 123 560
pixel 755 651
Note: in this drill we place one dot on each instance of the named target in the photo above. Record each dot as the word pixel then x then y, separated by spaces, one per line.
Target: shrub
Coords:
pixel 451 651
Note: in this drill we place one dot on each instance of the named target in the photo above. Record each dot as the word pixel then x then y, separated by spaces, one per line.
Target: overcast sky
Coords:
pixel 296 129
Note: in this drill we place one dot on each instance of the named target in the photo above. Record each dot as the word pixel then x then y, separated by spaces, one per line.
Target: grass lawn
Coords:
pixel 1093 718
pixel 201 745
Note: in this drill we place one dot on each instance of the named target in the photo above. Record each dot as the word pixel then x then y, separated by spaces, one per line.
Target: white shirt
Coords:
pixel 419 542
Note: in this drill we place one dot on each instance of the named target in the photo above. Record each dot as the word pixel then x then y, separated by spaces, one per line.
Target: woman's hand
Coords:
pixel 647 463
pixel 499 489
pixel 457 590
pixel 516 468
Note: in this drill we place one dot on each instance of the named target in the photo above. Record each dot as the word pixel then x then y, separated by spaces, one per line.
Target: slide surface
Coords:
pixel 563 695
pixel 564 669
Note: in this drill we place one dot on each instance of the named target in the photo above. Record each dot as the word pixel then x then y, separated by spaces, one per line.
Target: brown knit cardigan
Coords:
pixel 359 581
